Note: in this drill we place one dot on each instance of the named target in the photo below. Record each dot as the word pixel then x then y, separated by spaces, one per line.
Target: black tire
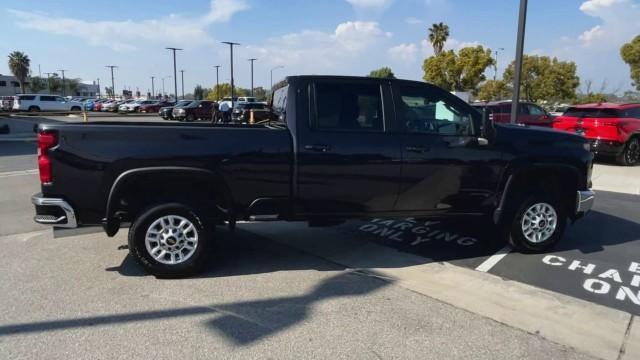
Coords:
pixel 75 108
pixel 193 264
pixel 630 156
pixel 191 118
pixel 34 109
pixel 515 225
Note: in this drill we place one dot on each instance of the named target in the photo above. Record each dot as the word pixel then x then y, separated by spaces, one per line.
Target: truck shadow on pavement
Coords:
pixel 240 322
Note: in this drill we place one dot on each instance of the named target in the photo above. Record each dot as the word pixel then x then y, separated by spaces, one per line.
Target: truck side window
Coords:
pixel 350 107
pixel 425 111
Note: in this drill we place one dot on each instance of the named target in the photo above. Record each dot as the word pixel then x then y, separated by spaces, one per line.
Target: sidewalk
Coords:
pixel 615 178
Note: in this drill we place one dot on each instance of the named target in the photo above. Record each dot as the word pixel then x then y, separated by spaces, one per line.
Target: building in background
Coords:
pixel 9 85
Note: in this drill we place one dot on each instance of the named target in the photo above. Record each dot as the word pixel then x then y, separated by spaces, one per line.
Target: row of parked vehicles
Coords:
pixel 613 130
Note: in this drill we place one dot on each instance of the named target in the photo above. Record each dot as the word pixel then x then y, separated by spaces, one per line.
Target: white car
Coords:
pixel 246 99
pixel 40 102
pixel 134 106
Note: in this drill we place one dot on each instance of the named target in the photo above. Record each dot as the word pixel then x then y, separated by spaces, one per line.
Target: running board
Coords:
pixel 264 217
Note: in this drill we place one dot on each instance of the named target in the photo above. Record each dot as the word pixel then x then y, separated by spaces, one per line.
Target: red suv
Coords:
pixel 528 113
pixel 614 129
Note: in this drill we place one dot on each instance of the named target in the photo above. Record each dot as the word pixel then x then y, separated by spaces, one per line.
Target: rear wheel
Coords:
pixel 34 109
pixel 75 108
pixel 630 156
pixel 191 117
pixel 170 240
pixel 537 224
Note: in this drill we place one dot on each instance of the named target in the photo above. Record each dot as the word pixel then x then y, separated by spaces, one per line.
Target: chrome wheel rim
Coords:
pixel 171 239
pixel 539 222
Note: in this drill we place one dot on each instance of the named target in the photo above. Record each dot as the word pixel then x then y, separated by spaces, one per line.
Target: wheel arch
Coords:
pixel 212 194
pixel 563 179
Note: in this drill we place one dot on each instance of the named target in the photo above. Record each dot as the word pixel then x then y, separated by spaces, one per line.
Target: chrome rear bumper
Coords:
pixel 68 220
pixel 585 201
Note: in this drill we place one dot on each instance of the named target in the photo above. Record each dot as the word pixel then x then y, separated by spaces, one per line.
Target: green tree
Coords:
pixel 55 83
pixel 630 53
pixel 591 98
pixel 19 64
pixel 383 73
pixel 224 90
pixel 72 85
pixel 198 93
pixel 545 78
pixel 37 84
pixel 438 35
pixel 260 93
pixel 494 90
pixel 463 71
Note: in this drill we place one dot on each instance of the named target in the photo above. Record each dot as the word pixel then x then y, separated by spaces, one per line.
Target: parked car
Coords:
pixel 198 109
pixel 166 112
pixel 90 104
pixel 7 103
pixel 342 148
pixel 135 105
pixel 612 129
pixel 528 113
pixel 247 99
pixel 246 112
pixel 155 106
pixel 558 110
pixel 109 105
pixel 39 102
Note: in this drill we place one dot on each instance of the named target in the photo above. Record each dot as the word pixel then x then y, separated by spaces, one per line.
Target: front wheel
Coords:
pixel 75 108
pixel 538 224
pixel 170 240
pixel 630 156
pixel 191 118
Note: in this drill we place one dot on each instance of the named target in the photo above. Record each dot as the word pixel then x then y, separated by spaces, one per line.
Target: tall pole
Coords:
pixel 495 67
pixel 231 44
pixel 48 82
pixel 153 88
pixel 217 81
pixel 98 87
pixel 275 68
pixel 63 89
pixel 175 74
pixel 252 60
pixel 113 86
pixel 39 72
pixel 182 79
pixel 522 23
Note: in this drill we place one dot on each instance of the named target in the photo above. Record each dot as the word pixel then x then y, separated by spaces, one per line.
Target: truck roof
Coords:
pixel 344 77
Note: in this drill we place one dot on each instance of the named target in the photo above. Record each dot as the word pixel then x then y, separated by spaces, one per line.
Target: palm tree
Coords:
pixel 438 35
pixel 19 65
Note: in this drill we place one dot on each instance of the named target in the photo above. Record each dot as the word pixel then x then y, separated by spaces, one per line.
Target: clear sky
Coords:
pixel 305 36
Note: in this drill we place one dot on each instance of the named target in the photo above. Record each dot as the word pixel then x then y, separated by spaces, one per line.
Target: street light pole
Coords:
pixel 252 60
pixel 63 89
pixel 175 75
pixel 217 81
pixel 231 44
pixel 153 88
pixel 113 86
pixel 48 82
pixel 275 68
pixel 495 74
pixel 522 23
pixel 98 87
pixel 182 74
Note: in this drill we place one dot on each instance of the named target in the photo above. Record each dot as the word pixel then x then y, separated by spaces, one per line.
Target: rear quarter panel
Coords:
pixel 253 161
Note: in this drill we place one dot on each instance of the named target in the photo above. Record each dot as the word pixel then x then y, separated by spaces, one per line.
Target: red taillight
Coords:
pixel 46 140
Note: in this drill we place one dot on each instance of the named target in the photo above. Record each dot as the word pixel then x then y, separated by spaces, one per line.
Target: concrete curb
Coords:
pixel 587 327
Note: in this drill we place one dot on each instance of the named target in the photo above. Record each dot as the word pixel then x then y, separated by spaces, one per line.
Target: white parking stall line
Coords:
pixel 18 173
pixel 494 259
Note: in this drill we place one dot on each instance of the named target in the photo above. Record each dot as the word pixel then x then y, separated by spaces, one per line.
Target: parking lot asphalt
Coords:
pixel 265 296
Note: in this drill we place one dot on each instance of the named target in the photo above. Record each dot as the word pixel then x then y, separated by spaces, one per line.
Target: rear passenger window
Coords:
pixel 348 107
pixel 47 98
pixel 534 110
pixel 26 97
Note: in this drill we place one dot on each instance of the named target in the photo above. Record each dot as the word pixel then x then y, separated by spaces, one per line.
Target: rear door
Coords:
pixel 535 115
pixel 349 156
pixel 48 103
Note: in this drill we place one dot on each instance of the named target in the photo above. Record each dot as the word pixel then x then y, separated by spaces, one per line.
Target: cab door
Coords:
pixel 446 167
pixel 348 155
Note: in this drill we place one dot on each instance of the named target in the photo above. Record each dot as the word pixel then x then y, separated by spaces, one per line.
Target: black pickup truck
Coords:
pixel 336 148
